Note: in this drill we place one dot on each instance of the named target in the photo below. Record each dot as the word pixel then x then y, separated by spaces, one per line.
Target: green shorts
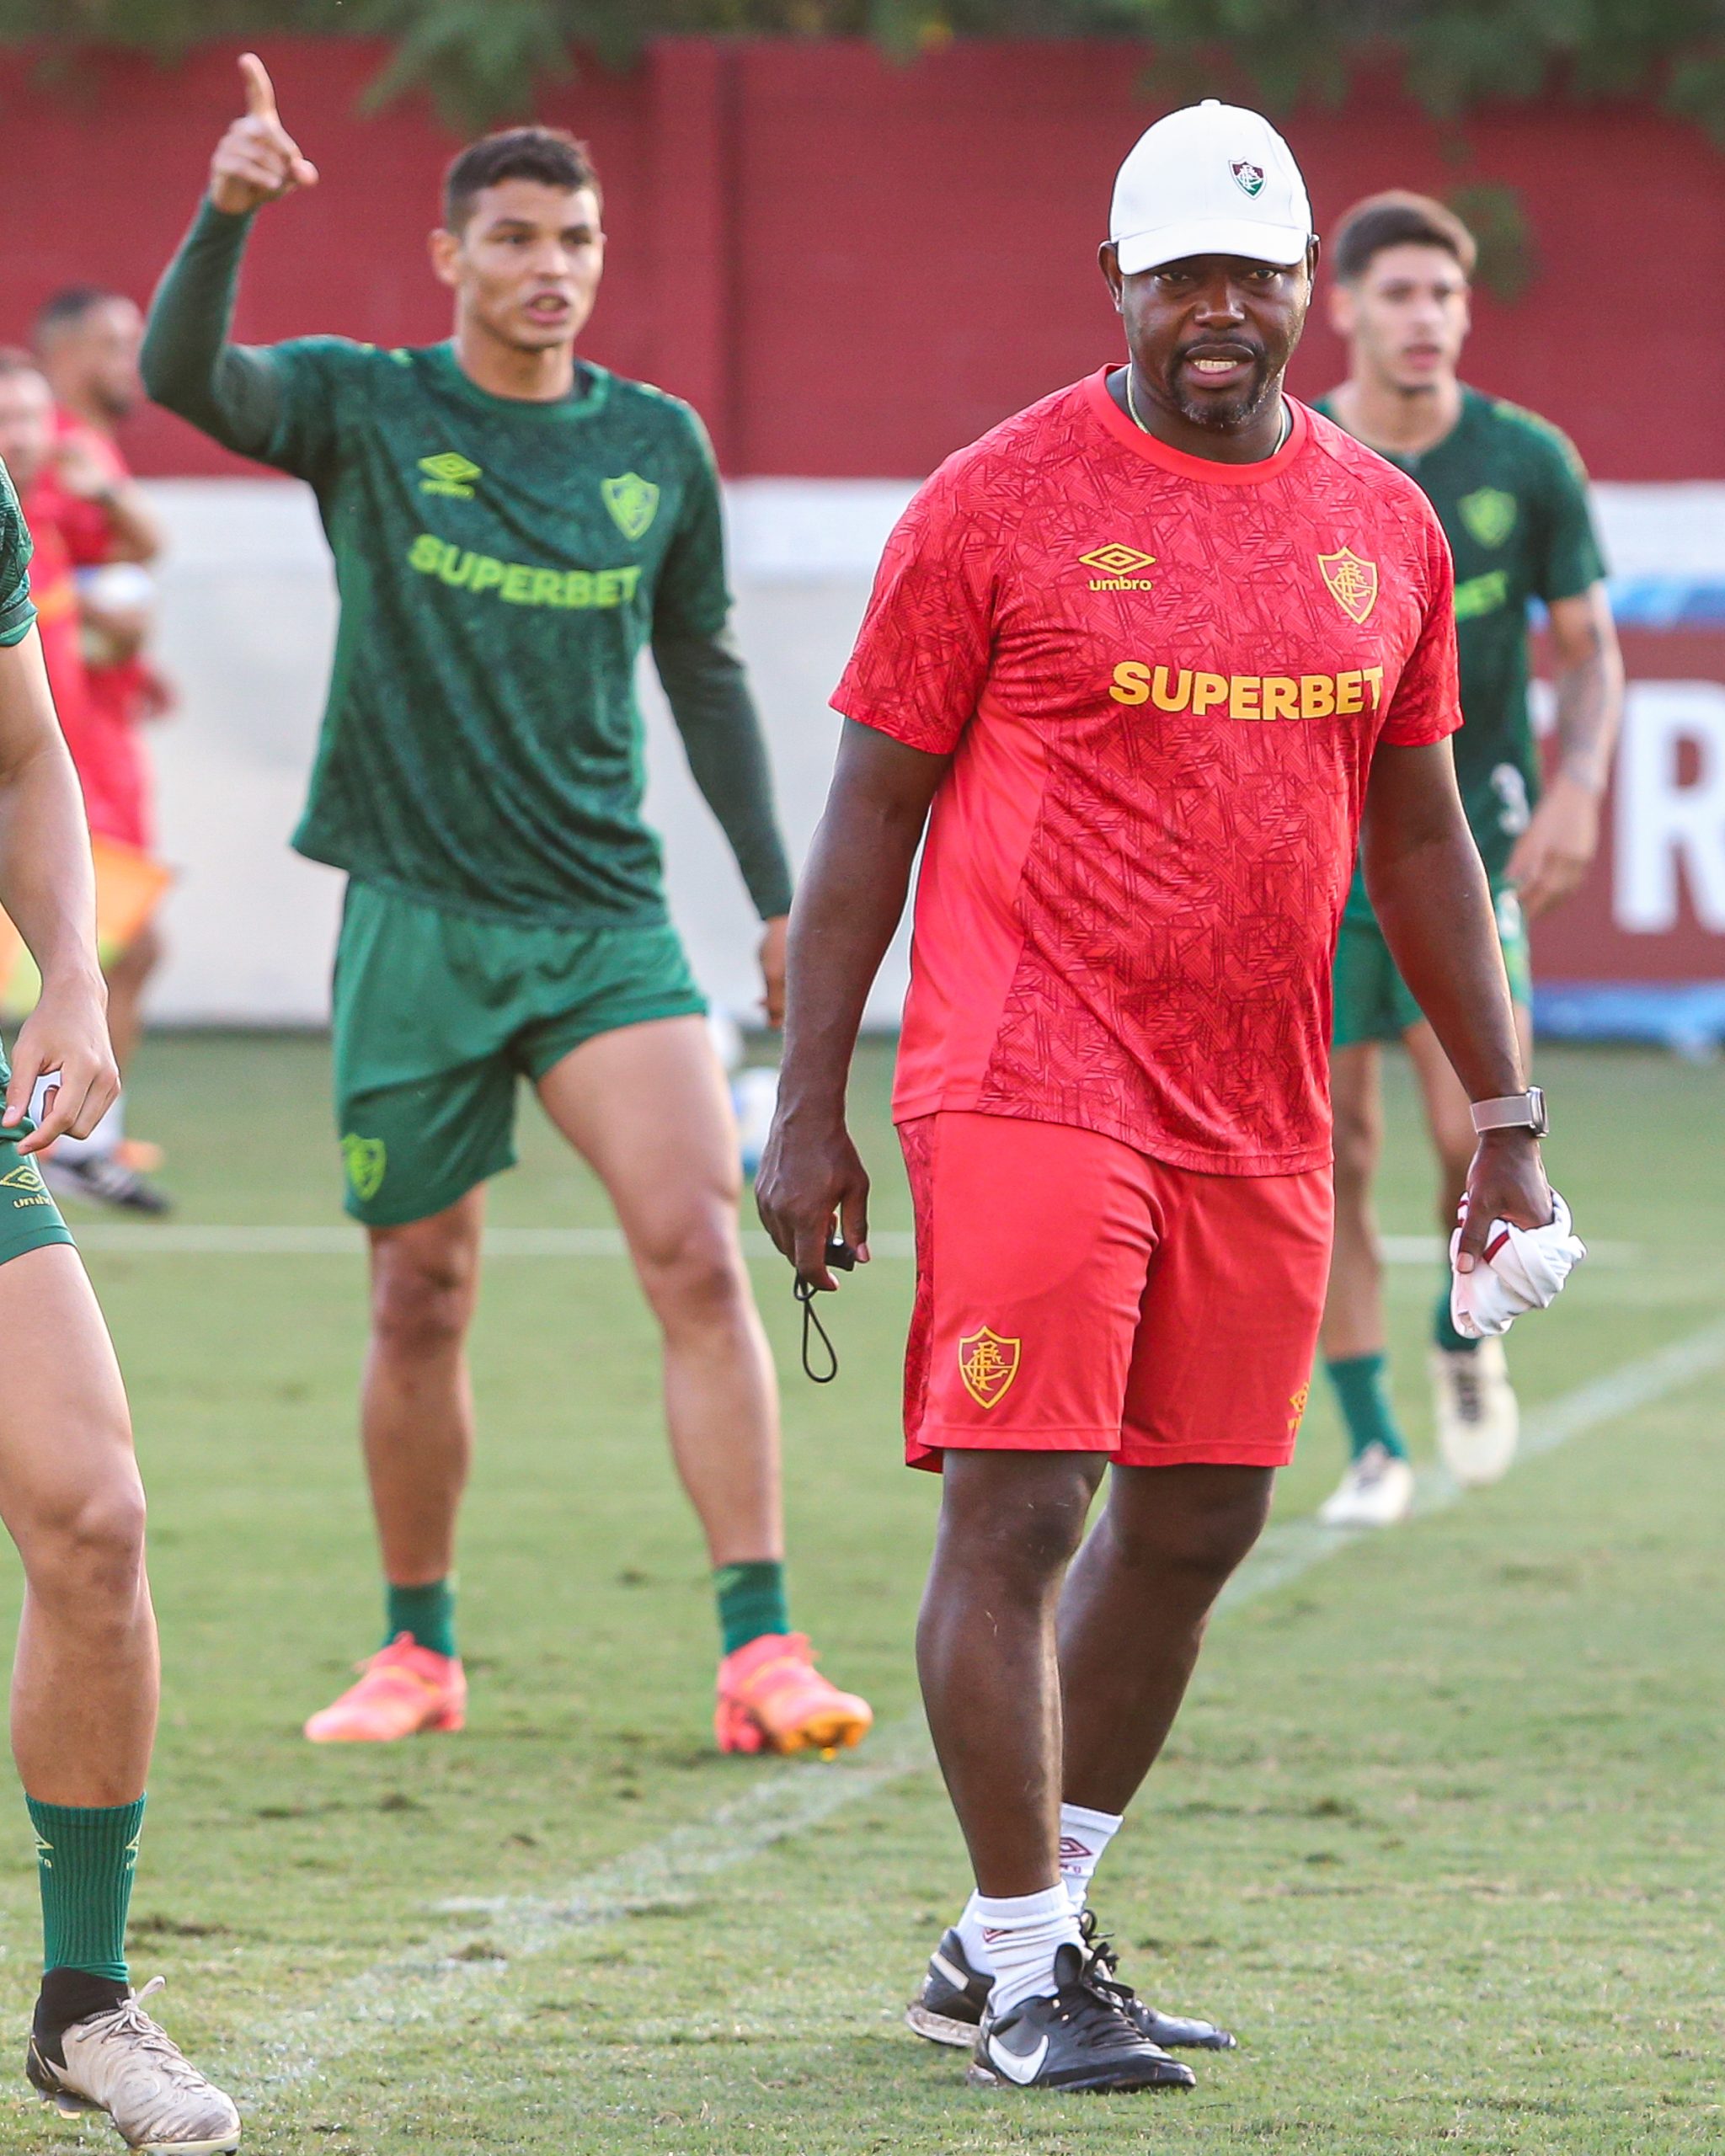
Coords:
pixel 1373 1002
pixel 30 1219
pixel 436 1017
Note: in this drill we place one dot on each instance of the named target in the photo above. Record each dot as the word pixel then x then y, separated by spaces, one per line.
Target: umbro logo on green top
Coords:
pixel 449 473
pixel 1488 514
pixel 632 501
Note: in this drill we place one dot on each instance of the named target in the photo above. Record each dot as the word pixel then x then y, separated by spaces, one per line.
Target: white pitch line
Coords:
pixel 422 1986
pixel 216 1239
pixel 1283 1552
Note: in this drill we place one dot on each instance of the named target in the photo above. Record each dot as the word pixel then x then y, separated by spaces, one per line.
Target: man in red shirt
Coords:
pixel 87 340
pixel 1152 649
pixel 26 443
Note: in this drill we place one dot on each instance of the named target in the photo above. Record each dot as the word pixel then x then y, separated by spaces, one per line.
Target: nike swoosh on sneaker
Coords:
pixel 1024 2070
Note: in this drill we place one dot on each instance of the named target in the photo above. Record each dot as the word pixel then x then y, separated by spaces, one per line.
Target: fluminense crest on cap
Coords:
pixel 1211 179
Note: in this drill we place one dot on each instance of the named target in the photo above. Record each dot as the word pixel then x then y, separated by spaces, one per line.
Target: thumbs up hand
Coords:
pixel 257 160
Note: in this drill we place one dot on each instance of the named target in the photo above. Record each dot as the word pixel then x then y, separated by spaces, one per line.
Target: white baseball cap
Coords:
pixel 1209 179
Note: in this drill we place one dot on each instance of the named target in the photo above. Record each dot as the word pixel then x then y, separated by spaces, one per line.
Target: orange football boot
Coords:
pixel 405 1689
pixel 772 1698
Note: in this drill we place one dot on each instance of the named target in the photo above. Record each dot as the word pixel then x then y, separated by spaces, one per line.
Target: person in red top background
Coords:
pixel 87 343
pixel 27 444
pixel 1153 650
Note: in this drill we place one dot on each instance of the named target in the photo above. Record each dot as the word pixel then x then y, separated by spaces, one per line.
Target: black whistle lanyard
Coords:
pixel 842 1258
pixel 812 1329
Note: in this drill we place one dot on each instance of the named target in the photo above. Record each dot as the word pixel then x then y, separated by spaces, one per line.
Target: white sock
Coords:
pixel 1024 1932
pixel 970 1930
pixel 104 1139
pixel 1084 1837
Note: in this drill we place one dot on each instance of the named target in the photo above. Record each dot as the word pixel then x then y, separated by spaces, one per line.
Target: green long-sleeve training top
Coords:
pixel 501 565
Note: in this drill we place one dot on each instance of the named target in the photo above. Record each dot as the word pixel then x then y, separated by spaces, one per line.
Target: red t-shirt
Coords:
pixel 1161 681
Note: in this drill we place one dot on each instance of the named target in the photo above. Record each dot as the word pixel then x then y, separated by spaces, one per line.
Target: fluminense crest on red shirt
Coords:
pixel 1354 583
pixel 987 1364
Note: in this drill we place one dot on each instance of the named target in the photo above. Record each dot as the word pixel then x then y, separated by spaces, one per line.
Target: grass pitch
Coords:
pixel 1441 1833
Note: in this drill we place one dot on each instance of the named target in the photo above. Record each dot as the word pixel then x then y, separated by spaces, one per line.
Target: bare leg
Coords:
pixel 85 1682
pixel 1353 1312
pixel 127 978
pixel 986 1652
pixel 645 1107
pixel 1133 1612
pixel 416 1403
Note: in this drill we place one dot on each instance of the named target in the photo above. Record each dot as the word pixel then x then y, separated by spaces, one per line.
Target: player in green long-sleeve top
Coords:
pixel 510 525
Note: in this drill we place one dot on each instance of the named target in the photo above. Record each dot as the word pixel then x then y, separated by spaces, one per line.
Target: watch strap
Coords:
pixel 1513 1111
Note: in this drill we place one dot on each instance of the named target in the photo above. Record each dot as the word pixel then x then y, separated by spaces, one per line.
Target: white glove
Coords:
pixel 1523 1269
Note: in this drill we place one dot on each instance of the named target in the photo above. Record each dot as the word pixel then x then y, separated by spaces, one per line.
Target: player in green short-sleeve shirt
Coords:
pixel 1512 495
pixel 512 526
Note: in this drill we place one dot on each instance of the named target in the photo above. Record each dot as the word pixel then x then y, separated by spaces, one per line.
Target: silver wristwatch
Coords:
pixel 1514 1112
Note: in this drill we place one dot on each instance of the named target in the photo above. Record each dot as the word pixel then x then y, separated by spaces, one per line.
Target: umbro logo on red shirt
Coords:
pixel 1118 563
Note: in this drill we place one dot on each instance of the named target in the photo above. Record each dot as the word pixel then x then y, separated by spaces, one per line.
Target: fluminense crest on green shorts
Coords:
pixel 365 1158
pixel 632 501
pixel 1489 514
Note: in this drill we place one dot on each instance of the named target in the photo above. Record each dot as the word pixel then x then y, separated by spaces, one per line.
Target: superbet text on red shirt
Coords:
pixel 1161 680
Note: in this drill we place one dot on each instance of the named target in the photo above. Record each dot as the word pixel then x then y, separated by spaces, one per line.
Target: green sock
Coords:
pixel 1443 1326
pixel 85 1857
pixel 751 1601
pixel 1365 1400
pixel 427 1613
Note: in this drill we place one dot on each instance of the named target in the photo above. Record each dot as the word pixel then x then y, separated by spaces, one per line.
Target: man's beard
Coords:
pixel 1224 414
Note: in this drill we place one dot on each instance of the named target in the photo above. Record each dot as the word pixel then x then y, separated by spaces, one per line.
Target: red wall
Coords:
pixel 851 265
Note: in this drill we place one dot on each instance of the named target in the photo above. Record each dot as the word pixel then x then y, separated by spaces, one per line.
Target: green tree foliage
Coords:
pixel 482 59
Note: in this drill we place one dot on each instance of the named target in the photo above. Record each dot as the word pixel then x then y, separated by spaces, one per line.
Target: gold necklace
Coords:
pixel 1282 432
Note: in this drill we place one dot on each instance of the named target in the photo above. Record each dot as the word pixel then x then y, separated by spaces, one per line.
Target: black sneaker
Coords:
pixel 1177 2031
pixel 948 2008
pixel 100 1179
pixel 1080 2039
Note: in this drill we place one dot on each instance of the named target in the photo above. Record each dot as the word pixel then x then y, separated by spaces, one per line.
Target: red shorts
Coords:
pixel 1075 1295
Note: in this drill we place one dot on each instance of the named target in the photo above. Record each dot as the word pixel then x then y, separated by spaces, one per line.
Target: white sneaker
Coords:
pixel 1377 1490
pixel 1478 1421
pixel 121 2062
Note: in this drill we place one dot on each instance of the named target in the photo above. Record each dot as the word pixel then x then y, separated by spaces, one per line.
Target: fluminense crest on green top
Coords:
pixel 632 501
pixel 1489 514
